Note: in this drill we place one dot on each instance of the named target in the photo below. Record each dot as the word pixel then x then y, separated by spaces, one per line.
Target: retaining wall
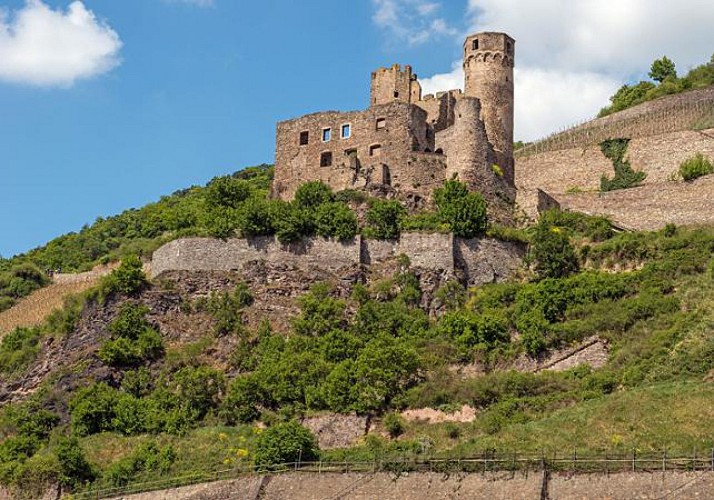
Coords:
pixel 573 174
pixel 478 261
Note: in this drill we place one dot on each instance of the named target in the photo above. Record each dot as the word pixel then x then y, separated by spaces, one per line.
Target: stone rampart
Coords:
pixel 480 260
pixel 208 254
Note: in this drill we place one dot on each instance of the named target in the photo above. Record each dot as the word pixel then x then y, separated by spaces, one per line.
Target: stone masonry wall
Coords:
pixel 559 173
pixel 478 261
pixel 358 160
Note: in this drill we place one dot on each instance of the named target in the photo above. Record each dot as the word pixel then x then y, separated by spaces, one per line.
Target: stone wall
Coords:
pixel 207 254
pixel 477 261
pixel 490 485
pixel 572 177
pixel 381 141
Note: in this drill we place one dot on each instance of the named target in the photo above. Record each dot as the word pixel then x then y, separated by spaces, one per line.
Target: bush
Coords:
pixel 92 409
pixel 552 252
pixel 336 220
pixel 149 457
pixel 464 211
pixel 133 338
pixel 241 402
pixel 227 192
pixel 18 349
pixel 695 167
pixel 227 309
pixel 285 443
pixel 127 279
pixel 312 195
pixel 74 468
pixel 384 218
pixel 394 424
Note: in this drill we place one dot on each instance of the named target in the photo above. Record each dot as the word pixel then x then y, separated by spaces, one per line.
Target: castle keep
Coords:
pixel 406 143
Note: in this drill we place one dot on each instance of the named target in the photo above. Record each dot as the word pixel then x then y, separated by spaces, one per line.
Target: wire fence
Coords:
pixel 575 463
pixel 691 111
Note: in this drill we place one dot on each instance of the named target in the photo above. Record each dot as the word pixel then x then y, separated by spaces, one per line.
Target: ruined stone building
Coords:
pixel 408 144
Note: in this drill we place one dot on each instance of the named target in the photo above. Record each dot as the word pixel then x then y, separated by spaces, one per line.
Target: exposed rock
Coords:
pixel 337 431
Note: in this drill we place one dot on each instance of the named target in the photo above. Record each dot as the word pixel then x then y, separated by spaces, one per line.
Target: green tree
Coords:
pixel 241 402
pixel 384 368
pixel 127 279
pixel 662 69
pixel 384 218
pixel 464 211
pixel 552 252
pixel 336 220
pixel 74 467
pixel 313 194
pixel 283 443
pixel 228 192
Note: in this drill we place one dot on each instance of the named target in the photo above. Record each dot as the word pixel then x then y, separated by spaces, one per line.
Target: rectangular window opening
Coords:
pixel 346 131
pixel 381 123
pixel 375 150
pixel 326 134
pixel 474 45
pixel 304 138
pixel 326 159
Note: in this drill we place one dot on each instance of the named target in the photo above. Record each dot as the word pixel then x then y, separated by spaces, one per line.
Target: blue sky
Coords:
pixel 107 104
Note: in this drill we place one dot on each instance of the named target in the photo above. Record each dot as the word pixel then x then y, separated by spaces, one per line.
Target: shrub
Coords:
pixel 92 409
pixel 695 167
pixel 313 194
pixel 285 443
pixel 74 468
pixel 552 252
pixel 18 349
pixel 336 220
pixel 149 457
pixel 133 338
pixel 384 218
pixel 258 217
pixel 127 279
pixel 464 211
pixel 394 424
pixel 227 309
pixel 241 402
pixel 227 192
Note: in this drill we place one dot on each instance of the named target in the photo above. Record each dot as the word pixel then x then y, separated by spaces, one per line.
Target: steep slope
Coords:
pixel 34 309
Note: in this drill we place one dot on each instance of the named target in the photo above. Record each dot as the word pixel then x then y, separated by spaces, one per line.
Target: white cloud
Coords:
pixel 412 21
pixel 46 47
pixel 571 56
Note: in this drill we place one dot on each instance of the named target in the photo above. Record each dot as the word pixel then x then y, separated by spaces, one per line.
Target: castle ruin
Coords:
pixel 408 144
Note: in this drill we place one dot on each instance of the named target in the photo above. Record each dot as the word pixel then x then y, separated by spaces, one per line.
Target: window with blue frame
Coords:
pixel 346 131
pixel 326 134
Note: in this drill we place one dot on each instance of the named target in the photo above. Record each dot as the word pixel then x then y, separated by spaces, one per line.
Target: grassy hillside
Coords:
pixel 632 95
pixel 136 231
pixel 135 381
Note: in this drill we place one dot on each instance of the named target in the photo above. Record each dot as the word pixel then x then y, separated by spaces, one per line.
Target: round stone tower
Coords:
pixel 488 68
